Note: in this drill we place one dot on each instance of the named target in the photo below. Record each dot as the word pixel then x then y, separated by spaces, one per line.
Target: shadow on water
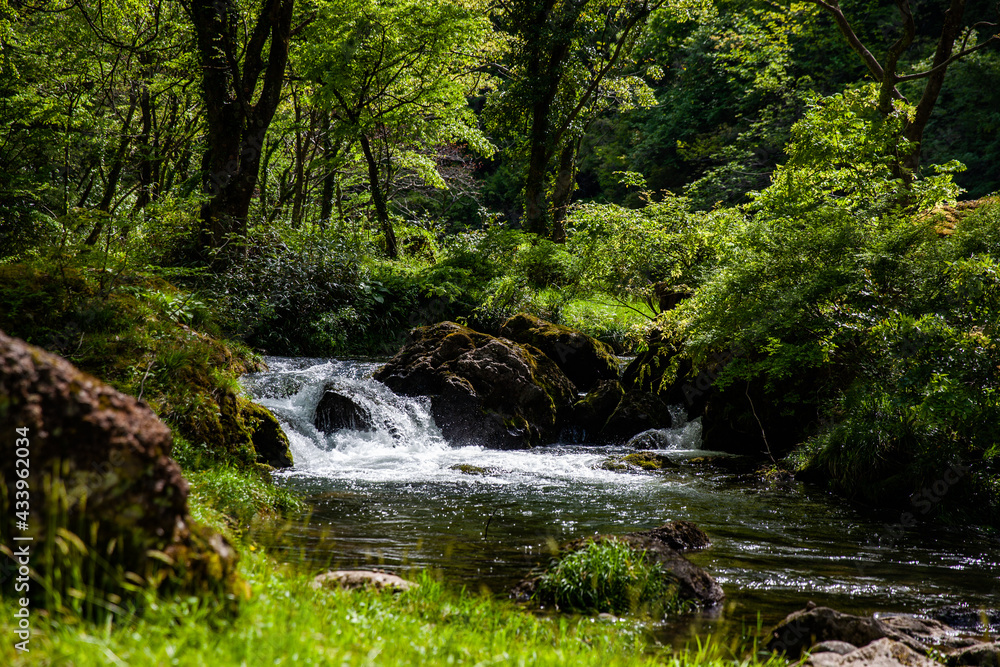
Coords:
pixel 393 498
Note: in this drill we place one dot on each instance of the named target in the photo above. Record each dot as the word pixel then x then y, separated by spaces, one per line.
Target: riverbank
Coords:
pixel 288 623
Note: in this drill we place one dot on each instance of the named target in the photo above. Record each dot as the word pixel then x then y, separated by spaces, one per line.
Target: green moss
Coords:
pixel 649 461
pixel 468 469
pixel 133 335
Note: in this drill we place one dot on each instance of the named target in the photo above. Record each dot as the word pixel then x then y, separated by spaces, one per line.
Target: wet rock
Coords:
pixel 678 535
pixel 586 361
pixel 980 655
pixel 591 413
pixel 355 579
pixel 840 648
pixel 927 631
pixel 879 653
pixel 637 412
pixel 335 412
pixel 803 628
pixel 124 497
pixel 484 390
pixel 468 469
pixel 648 461
pixel 267 437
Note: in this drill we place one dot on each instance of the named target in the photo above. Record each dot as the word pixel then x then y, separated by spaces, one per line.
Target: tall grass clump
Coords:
pixel 608 576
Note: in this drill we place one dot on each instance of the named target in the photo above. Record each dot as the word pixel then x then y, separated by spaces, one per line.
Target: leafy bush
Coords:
pixel 840 293
pixel 624 252
pixel 607 576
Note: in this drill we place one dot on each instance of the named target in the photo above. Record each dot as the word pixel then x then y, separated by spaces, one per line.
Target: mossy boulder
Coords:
pixel 469 469
pixel 268 439
pixel 648 461
pixel 100 468
pixel 484 390
pixel 586 361
pixel 591 413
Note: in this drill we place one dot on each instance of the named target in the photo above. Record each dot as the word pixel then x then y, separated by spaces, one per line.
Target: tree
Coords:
pixel 563 51
pixel 395 76
pixel 243 69
pixel 886 72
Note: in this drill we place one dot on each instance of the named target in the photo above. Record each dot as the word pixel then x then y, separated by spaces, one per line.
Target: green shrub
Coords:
pixel 841 298
pixel 608 576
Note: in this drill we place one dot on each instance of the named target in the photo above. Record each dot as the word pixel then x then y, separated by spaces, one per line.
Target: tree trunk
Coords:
pixel 146 156
pixel 327 191
pixel 562 191
pixel 114 176
pixel 378 197
pixel 914 131
pixel 236 126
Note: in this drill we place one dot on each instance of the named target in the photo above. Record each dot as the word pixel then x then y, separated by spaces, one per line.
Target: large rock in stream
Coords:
pixel 484 390
pixel 586 361
pixel 337 411
pixel 98 465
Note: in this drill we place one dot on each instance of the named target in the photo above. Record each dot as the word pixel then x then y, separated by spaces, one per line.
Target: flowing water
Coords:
pixel 397 498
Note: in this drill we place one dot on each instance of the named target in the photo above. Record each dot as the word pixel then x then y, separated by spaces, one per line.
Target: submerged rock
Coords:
pixel 484 390
pixel 469 469
pixel 355 579
pixel 649 461
pixel 336 411
pixel 102 459
pixel 979 655
pixel 586 361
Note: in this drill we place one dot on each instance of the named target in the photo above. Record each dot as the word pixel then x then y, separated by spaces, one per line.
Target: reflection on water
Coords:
pixel 394 498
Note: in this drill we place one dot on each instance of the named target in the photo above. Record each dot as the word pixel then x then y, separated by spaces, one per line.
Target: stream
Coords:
pixel 391 498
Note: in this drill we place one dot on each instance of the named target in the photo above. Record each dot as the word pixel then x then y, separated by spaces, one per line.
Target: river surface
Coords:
pixel 393 498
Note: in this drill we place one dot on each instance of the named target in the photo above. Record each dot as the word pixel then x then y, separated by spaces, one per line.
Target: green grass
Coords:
pixel 608 576
pixel 287 623
pixel 236 497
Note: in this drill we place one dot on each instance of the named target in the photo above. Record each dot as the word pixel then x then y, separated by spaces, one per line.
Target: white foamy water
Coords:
pixel 407 445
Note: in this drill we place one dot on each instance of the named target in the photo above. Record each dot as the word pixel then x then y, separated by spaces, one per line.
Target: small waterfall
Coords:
pixel 292 389
pixel 406 445
pixel 683 435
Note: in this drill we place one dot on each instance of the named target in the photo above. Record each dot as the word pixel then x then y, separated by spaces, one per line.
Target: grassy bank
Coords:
pixel 287 623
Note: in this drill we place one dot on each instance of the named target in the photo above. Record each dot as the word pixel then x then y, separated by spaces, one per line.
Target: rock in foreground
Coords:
pixel 835 639
pixel 100 467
